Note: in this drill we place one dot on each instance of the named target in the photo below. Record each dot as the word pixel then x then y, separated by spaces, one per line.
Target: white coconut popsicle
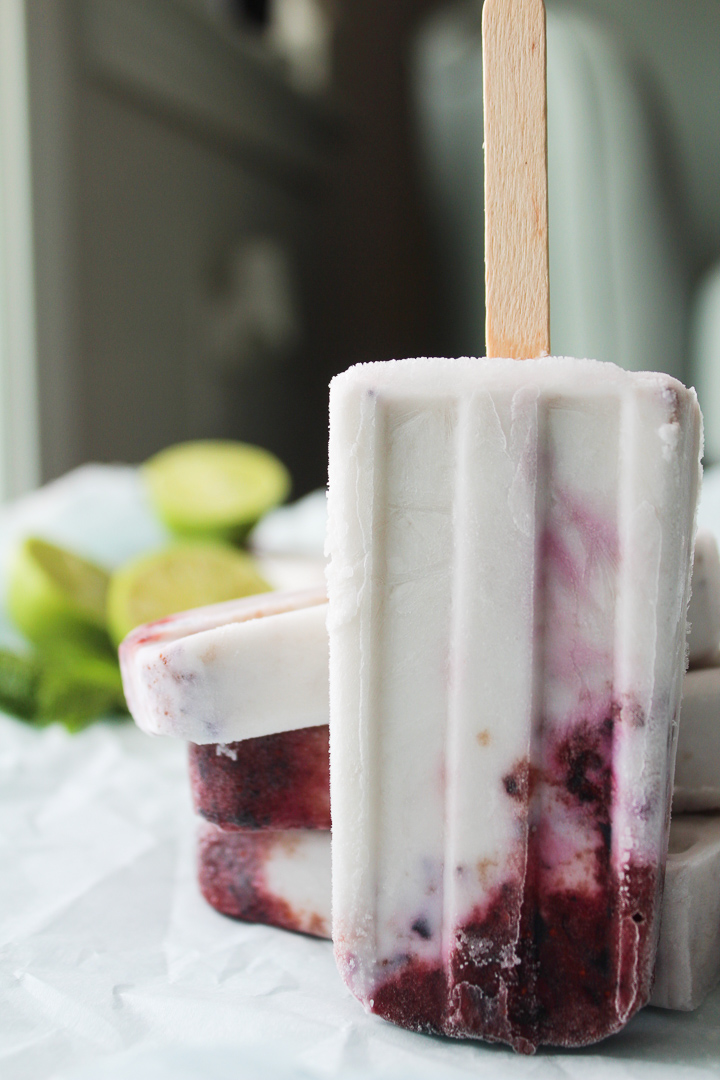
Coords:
pixel 697 769
pixel 688 960
pixel 510 547
pixel 704 609
pixel 510 565
pixel 231 671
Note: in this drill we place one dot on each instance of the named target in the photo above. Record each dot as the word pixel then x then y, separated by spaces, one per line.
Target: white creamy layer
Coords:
pixel 297 870
pixel 231 671
pixel 704 608
pixel 282 874
pixel 688 960
pixel 697 767
pixel 510 546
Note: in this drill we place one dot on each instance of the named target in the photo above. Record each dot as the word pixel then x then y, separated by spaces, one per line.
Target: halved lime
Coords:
pixel 215 488
pixel 55 594
pixel 179 577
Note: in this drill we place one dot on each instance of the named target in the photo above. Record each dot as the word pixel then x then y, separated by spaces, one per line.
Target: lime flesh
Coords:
pixel 179 577
pixel 215 488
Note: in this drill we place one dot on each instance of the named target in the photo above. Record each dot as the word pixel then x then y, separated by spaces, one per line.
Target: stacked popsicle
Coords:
pixel 688 961
pixel 245 683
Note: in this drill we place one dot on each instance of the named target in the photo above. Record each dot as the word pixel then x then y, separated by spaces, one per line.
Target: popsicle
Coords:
pixel 704 609
pixel 510 552
pixel 688 959
pixel 697 769
pixel 281 878
pixel 231 671
pixel 252 667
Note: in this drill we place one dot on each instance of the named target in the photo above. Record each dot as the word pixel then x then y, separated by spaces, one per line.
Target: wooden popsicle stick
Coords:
pixel 517 288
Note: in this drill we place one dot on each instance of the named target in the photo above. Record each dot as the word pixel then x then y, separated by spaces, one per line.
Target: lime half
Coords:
pixel 215 488
pixel 54 594
pixel 183 576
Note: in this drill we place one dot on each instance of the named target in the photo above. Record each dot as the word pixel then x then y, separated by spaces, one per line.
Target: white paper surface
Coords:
pixel 112 967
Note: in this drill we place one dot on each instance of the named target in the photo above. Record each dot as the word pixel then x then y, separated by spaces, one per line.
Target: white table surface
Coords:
pixel 111 964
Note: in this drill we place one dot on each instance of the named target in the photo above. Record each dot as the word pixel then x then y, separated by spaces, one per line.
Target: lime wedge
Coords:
pixel 54 594
pixel 215 488
pixel 179 577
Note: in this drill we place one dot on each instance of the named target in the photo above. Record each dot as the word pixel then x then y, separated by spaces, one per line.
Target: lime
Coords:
pixel 54 594
pixel 215 488
pixel 179 577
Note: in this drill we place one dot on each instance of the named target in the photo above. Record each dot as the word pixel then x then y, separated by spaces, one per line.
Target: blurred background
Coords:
pixel 209 207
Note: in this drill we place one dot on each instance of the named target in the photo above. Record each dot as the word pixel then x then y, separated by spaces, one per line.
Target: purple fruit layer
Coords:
pixel 232 875
pixel 580 963
pixel 563 988
pixel 273 782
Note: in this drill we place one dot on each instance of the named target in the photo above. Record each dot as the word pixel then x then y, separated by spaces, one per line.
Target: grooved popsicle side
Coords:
pixel 517 290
